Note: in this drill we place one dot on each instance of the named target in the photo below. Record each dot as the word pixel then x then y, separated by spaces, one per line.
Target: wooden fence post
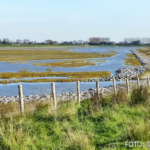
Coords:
pixel 21 98
pixel 97 87
pixel 78 91
pixel 54 94
pixel 138 82
pixel 127 85
pixel 114 85
pixel 148 82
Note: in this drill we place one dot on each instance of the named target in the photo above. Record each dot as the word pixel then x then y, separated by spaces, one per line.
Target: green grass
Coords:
pixel 21 55
pixel 132 60
pixel 73 126
pixel 27 74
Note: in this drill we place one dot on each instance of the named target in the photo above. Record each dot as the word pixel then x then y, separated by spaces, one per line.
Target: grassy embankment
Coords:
pixel 72 63
pixel 21 55
pixel 87 126
pixel 132 60
pixel 78 76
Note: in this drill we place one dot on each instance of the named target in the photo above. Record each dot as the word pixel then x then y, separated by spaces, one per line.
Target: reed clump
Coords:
pixel 132 60
pixel 21 55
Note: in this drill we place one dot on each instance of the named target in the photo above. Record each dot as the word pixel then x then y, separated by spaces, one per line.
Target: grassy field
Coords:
pixel 26 74
pixel 132 60
pixel 90 125
pixel 20 55
pixel 72 63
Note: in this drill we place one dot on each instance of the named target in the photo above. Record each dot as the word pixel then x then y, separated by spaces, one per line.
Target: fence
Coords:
pixel 54 97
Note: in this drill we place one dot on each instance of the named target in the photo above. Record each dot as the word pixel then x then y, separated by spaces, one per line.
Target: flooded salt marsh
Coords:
pixel 112 64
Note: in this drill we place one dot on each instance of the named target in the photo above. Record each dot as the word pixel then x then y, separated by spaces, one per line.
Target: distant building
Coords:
pixel 94 40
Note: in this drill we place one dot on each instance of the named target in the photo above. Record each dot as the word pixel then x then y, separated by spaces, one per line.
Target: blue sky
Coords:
pixel 62 20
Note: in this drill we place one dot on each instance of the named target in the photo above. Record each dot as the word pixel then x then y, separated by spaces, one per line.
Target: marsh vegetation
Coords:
pixel 72 63
pixel 41 80
pixel 132 60
pixel 20 55
pixel 26 74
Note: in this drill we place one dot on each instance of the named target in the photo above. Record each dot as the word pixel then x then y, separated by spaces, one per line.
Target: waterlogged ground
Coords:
pixel 112 64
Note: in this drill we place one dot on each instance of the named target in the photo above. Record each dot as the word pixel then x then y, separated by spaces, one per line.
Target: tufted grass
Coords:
pixel 21 55
pixel 74 126
pixel 132 60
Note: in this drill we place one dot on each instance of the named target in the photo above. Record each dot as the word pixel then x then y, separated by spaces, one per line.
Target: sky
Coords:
pixel 67 20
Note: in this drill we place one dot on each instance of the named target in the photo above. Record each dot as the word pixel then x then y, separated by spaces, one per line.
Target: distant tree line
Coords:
pixel 136 41
pixel 6 41
pixel 91 41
